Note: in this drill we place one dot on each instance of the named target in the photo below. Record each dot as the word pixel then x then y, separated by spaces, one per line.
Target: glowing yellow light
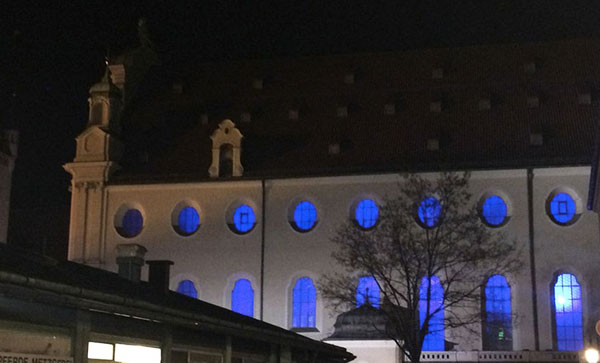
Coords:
pixel 591 355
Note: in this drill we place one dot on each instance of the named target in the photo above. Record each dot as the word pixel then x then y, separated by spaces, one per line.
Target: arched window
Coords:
pixel 434 340
pixel 497 326
pixel 367 292
pixel 429 212
pixel 226 160
pixel 304 305
pixel 186 287
pixel 242 297
pixel 366 213
pixel 568 316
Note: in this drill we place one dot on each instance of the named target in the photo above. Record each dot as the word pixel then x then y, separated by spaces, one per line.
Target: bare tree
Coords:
pixel 429 236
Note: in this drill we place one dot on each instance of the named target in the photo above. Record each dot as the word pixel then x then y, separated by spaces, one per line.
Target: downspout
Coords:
pixel 262 251
pixel 536 332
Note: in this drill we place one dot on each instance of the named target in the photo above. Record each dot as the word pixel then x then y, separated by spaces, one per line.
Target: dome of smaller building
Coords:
pixel 362 323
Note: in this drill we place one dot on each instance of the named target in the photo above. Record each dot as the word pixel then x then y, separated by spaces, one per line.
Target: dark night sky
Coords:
pixel 50 55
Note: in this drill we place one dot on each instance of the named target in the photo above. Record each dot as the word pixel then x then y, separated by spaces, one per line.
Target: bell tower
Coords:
pixel 97 154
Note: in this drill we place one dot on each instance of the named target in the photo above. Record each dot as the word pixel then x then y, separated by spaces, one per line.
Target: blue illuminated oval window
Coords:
pixel 366 214
pixel 186 287
pixel 131 223
pixel 429 212
pixel 494 211
pixel 562 209
pixel 305 216
pixel 188 221
pixel 243 219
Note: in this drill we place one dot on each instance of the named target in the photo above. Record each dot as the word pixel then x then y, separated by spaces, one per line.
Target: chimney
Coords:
pixel 158 275
pixel 130 258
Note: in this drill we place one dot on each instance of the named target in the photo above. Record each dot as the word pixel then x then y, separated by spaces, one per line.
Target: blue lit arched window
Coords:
pixel 562 208
pixel 304 306
pixel 305 216
pixel 367 292
pixel 366 213
pixel 434 340
pixel 568 316
pixel 243 219
pixel 429 212
pixel 186 287
pixel 242 298
pixel 494 211
pixel 188 221
pixel 497 323
pixel 131 224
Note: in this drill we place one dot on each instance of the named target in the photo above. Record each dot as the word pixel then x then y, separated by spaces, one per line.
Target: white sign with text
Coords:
pixel 7 357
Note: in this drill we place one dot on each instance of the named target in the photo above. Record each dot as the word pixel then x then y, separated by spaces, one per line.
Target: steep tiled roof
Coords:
pixel 166 137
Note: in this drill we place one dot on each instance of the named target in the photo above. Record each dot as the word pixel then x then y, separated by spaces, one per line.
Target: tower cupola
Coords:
pixel 105 104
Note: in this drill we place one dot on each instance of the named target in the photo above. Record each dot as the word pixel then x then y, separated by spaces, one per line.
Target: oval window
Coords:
pixel 429 212
pixel 562 208
pixel 305 216
pixel 243 219
pixel 494 211
pixel 131 224
pixel 188 221
pixel 366 214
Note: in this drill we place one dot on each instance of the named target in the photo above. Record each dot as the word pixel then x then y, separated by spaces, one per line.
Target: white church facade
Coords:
pixel 246 208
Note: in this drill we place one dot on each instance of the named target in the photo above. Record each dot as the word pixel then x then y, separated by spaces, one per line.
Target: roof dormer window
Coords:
pixel 437 73
pixel 485 104
pixel 258 83
pixel 389 109
pixel 341 111
pixel 533 101
pixel 349 78
pixel 584 98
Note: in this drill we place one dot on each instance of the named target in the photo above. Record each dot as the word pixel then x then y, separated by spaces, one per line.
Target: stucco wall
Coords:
pixel 214 257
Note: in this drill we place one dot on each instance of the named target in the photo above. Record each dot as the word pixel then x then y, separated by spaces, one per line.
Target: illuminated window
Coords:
pixel 243 219
pixel 563 208
pixel 429 212
pixel 366 213
pixel 136 354
pixel 494 211
pixel 434 340
pixel 242 298
pixel 102 351
pixel 186 287
pixel 304 304
pixel 568 316
pixel 188 221
pixel 367 292
pixel 497 323
pixel 131 224
pixel 305 216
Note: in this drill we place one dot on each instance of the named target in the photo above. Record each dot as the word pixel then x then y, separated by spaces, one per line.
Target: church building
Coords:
pixel 241 172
